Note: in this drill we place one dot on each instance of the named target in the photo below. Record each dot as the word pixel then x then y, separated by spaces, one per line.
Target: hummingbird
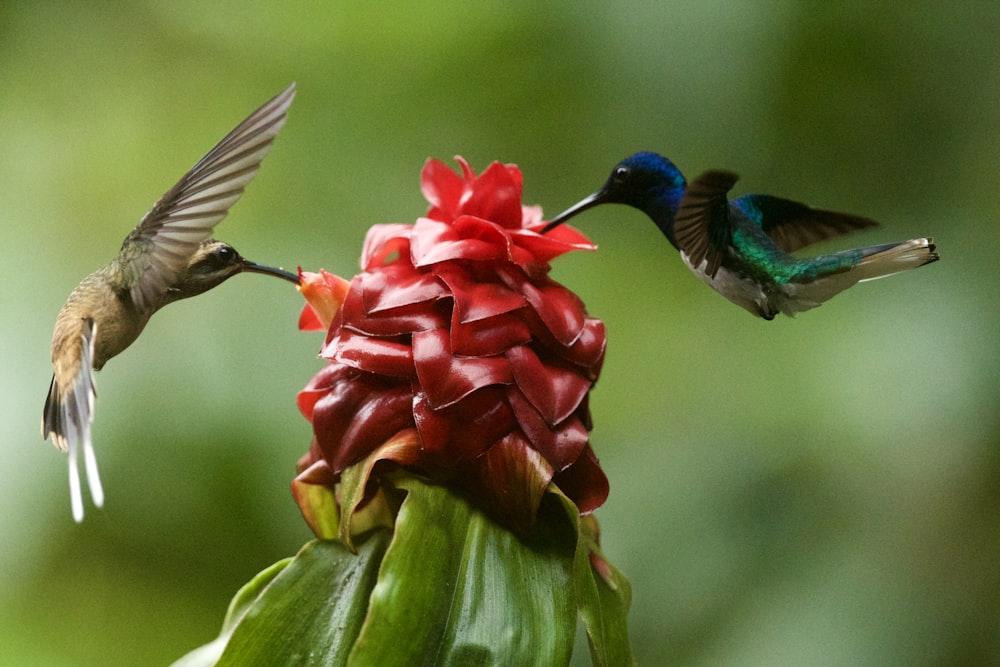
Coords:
pixel 742 248
pixel 167 257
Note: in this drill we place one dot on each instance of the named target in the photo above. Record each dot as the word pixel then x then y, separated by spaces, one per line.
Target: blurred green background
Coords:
pixel 823 490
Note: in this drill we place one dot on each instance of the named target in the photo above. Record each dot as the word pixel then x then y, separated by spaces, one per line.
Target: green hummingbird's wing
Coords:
pixel 792 225
pixel 702 222
pixel 159 248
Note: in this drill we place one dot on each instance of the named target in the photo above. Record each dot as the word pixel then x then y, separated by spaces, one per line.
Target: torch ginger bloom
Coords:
pixel 453 353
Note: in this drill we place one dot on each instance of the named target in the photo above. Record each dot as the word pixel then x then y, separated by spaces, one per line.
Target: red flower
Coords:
pixel 454 345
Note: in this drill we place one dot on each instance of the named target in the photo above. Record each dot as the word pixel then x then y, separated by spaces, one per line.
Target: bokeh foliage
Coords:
pixel 814 491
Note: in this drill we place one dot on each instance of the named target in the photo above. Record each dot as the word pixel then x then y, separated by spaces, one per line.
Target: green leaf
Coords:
pixel 207 655
pixel 604 596
pixel 309 613
pixel 317 500
pixel 358 516
pixel 448 586
pixel 602 592
pixel 312 611
pixel 458 589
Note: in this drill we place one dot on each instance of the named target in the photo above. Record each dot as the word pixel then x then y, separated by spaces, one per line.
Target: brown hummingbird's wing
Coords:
pixel 792 225
pixel 701 223
pixel 68 413
pixel 158 249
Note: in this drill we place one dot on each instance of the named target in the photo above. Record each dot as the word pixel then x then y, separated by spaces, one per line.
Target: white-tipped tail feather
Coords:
pixel 876 262
pixel 895 258
pixel 67 418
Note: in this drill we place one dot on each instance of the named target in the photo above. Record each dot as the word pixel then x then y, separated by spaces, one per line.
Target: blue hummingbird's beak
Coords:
pixel 591 201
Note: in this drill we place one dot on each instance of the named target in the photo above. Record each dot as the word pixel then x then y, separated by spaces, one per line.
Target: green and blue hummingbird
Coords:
pixel 742 248
pixel 167 257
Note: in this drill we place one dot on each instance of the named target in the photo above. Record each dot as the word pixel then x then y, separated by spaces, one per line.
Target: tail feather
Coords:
pixel 67 416
pixel 854 266
pixel 881 261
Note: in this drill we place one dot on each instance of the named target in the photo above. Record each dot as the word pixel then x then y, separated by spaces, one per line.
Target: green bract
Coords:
pixel 446 586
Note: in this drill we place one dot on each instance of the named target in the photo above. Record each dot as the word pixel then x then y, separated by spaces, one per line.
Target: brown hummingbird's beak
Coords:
pixel 253 267
pixel 591 201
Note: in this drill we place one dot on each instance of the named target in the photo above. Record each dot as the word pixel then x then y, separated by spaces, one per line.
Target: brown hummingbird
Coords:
pixel 167 257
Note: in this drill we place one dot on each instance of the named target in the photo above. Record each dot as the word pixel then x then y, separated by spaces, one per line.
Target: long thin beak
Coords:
pixel 253 267
pixel 581 206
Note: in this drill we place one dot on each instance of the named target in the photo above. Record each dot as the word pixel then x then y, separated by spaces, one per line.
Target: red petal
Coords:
pixel 514 172
pixel 464 430
pixel 316 387
pixel 396 285
pixel 588 350
pixel 467 238
pixel 544 247
pixel 441 186
pixel 496 196
pixel 385 244
pixel 560 310
pixel 371 354
pixel 488 337
pixel 399 319
pixel 478 297
pixel 306 400
pixel 358 413
pixel 584 482
pixel 555 391
pixel 447 378
pixel 309 320
pixel 560 446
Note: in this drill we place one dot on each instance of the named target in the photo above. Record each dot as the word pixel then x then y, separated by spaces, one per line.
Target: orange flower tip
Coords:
pixel 324 292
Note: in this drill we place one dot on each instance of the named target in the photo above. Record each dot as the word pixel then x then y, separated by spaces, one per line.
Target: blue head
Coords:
pixel 646 181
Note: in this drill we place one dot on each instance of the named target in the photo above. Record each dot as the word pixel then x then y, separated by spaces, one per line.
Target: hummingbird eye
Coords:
pixel 620 174
pixel 224 255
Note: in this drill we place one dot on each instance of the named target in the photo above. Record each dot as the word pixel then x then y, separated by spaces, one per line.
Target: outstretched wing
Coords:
pixel 163 242
pixel 792 225
pixel 702 222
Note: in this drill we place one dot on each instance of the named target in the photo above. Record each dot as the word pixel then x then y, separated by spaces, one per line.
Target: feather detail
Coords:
pixel 67 417
pixel 159 247
pixel 702 223
pixel 870 263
